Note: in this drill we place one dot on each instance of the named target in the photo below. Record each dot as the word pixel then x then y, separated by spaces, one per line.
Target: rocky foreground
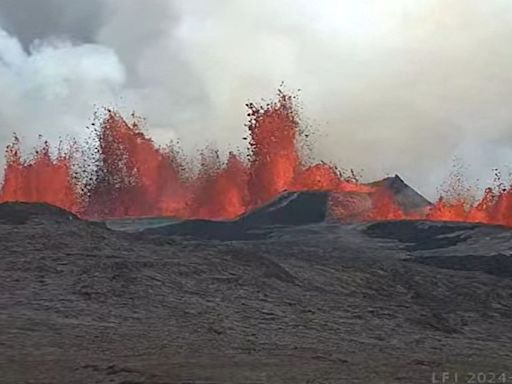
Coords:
pixel 395 302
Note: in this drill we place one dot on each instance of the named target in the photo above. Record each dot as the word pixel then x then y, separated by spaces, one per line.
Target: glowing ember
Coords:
pixel 134 177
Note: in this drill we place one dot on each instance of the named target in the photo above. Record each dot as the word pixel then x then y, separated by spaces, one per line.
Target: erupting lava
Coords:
pixel 131 176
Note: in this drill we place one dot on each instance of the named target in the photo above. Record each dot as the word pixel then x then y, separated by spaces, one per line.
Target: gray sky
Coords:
pixel 391 86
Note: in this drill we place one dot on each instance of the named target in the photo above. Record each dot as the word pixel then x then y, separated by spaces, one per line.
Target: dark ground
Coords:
pixel 368 303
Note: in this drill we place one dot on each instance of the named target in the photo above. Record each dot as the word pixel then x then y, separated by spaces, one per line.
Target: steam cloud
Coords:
pixel 394 86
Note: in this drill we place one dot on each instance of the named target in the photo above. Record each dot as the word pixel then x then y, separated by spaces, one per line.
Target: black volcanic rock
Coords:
pixel 290 209
pixel 205 229
pixel 418 235
pixel 407 198
pixel 296 208
pixel 394 303
pixel 20 213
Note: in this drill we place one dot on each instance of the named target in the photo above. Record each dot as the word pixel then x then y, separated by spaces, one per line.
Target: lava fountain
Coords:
pixel 133 177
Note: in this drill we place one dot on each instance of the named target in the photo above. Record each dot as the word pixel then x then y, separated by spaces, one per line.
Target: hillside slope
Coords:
pixel 320 303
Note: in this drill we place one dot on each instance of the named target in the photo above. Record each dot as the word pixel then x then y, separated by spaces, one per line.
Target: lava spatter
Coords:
pixel 134 177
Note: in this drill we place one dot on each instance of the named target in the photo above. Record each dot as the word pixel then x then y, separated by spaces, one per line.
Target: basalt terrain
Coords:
pixel 283 294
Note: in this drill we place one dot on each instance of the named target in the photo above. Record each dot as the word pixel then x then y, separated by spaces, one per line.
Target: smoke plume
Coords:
pixel 390 87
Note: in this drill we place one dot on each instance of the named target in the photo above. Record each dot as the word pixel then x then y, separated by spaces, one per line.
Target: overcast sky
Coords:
pixel 391 86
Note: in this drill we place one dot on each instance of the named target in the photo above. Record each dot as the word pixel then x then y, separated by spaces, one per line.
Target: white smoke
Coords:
pixel 54 88
pixel 392 86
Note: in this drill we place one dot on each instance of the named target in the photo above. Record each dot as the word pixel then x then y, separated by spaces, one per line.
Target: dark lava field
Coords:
pixel 254 301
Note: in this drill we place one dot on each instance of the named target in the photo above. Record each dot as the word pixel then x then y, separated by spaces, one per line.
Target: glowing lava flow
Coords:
pixel 133 177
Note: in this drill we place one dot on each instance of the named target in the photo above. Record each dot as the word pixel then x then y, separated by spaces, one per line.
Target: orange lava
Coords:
pixel 40 179
pixel 133 177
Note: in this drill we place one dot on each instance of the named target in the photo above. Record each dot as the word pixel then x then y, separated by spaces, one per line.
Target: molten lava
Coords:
pixel 40 179
pixel 132 177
